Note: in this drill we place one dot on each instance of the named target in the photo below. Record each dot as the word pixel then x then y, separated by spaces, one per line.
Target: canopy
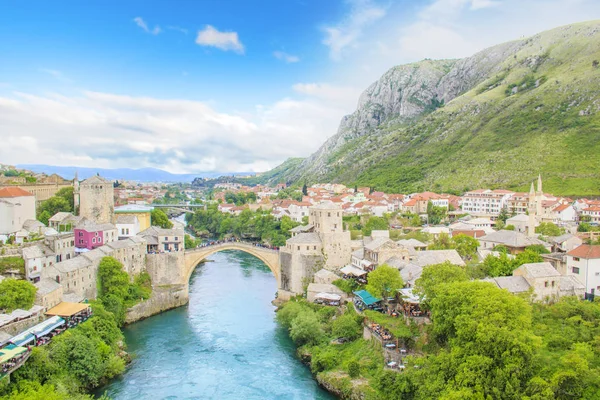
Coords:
pixel 7 354
pixel 47 326
pixel 366 297
pixel 328 296
pixel 66 309
pixel 408 296
pixel 23 338
pixel 352 270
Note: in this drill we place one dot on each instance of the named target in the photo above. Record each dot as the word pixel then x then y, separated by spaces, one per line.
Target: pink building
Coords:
pixel 89 235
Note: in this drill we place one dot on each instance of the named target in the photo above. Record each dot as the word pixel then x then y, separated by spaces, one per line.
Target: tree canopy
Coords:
pixel 16 294
pixel 159 218
pixel 384 281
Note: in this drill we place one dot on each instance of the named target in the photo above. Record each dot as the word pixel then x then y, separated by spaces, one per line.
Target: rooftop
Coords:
pixel 539 270
pixel 14 191
pixel 585 251
pixel 303 238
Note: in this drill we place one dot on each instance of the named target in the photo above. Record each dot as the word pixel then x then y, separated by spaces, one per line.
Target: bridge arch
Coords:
pixel 194 256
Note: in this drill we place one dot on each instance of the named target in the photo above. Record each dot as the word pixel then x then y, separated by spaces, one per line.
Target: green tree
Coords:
pixel 306 329
pixel 67 194
pixel 549 229
pixel 435 275
pixel 305 189
pixel 159 218
pixel 16 294
pixel 435 214
pixel 347 327
pixel 538 248
pixel 112 279
pixel 442 242
pixel 189 242
pixel 80 357
pixel 375 224
pixel 503 215
pixel 466 246
pixel 384 281
pixel 44 217
pixel 54 205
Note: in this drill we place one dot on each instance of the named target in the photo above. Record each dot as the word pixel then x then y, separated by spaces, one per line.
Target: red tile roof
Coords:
pixel 586 251
pixel 562 207
pixel 594 208
pixel 14 192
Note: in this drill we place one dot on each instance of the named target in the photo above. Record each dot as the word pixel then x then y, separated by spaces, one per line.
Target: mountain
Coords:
pixel 495 119
pixel 127 174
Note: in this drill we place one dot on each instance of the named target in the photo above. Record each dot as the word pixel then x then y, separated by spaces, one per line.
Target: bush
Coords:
pixel 346 285
pixel 347 327
pixel 288 312
pixel 16 294
pixel 323 359
pixel 353 369
pixel 306 329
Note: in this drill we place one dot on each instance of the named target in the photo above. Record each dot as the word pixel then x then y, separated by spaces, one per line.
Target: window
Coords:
pixel 315 247
pixel 176 238
pixel 553 283
pixel 298 247
pixel 307 247
pixel 329 214
pixel 575 258
pixel 575 270
pixel 546 284
pixel 80 234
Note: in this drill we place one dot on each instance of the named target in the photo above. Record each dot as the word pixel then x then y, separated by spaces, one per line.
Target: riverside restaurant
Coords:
pixel 363 300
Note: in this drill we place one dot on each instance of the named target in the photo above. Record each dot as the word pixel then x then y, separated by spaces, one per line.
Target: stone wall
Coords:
pixel 15 328
pixel 166 268
pixel 163 298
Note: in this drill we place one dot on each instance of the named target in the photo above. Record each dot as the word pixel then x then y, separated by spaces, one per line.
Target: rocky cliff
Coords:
pixel 393 140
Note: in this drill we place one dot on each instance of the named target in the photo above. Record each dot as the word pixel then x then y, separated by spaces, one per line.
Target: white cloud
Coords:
pixel 177 29
pixel 212 37
pixel 346 33
pixel 139 21
pixel 56 74
pixel 109 130
pixel 344 97
pixel 288 58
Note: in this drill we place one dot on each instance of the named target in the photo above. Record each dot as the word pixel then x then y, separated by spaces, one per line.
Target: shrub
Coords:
pixel 306 329
pixel 353 369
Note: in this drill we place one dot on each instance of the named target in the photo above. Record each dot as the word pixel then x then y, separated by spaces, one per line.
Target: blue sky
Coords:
pixel 231 85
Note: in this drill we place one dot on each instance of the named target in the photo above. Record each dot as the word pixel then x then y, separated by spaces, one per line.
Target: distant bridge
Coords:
pixel 269 256
pixel 185 208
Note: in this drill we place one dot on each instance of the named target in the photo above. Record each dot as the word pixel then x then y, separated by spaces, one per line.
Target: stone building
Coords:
pixel 321 244
pixel 43 189
pixel 95 197
pixel 78 276
pixel 140 212
pixel 161 240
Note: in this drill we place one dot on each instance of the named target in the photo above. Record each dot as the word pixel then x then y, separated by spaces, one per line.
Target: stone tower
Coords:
pixel 327 221
pixel 75 193
pixel 96 200
pixel 532 210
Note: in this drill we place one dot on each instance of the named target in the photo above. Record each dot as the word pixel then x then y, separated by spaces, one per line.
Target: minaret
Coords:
pixel 539 195
pixel 532 212
pixel 76 194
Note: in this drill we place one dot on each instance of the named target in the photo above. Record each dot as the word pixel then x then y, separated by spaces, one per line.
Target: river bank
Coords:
pixel 224 344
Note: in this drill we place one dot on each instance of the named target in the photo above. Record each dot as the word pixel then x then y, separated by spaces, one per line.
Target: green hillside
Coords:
pixel 538 113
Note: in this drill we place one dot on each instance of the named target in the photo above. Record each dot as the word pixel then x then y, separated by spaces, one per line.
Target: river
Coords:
pixel 224 345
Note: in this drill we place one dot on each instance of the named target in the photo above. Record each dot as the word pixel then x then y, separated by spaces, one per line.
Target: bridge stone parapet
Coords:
pixel 269 256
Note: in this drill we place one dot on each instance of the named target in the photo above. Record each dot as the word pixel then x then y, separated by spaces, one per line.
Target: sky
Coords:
pixel 221 85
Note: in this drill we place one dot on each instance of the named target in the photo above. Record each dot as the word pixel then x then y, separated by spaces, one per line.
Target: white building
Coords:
pixel 127 226
pixel 485 202
pixel 298 210
pixel 593 213
pixel 16 207
pixel 584 263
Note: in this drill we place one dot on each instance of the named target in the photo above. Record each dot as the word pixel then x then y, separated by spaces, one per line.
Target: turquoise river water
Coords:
pixel 224 345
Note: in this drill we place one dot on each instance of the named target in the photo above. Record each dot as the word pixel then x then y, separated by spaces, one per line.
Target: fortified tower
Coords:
pixel 96 200
pixel 539 197
pixel 327 221
pixel 320 244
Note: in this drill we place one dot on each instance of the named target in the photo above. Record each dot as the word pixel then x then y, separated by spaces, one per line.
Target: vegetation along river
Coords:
pixel 225 344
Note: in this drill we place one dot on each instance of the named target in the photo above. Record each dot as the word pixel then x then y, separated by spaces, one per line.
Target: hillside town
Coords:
pixel 328 244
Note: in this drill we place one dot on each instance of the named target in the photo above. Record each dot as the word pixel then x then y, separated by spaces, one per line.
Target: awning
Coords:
pixel 48 326
pixel 6 354
pixel 366 297
pixel 352 270
pixel 328 296
pixel 408 296
pixel 23 338
pixel 66 309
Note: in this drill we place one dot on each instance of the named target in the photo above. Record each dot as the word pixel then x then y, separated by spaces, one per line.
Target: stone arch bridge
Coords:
pixel 269 256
